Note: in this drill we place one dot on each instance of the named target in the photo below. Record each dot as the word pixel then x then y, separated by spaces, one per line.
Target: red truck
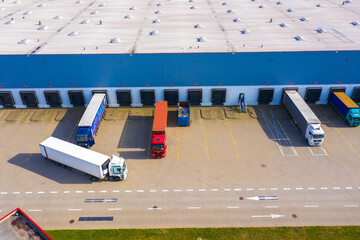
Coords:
pixel 158 145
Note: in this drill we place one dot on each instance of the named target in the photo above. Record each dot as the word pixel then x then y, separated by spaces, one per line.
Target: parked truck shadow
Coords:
pixel 46 168
pixel 328 116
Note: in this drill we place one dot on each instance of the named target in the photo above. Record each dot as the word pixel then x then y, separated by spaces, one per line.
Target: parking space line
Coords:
pixel 7 147
pixel 72 131
pixel 206 146
pixel 232 138
pixel 177 143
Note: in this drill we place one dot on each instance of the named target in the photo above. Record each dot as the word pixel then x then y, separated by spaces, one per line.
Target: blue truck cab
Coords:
pixel 91 120
pixel 346 107
pixel 184 114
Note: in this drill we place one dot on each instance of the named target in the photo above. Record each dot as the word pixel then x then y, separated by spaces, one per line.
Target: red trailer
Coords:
pixel 158 145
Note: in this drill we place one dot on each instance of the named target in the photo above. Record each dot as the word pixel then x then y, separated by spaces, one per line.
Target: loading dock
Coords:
pixel 29 99
pixel 76 98
pixel 218 96
pixel 123 97
pixel 101 91
pixel 171 96
pixel 335 89
pixel 195 96
pixel 53 98
pixel 286 89
pixel 312 95
pixel 147 97
pixel 265 95
pixel 356 95
pixel 6 100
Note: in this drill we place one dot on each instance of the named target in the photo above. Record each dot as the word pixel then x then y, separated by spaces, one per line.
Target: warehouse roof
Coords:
pixel 168 26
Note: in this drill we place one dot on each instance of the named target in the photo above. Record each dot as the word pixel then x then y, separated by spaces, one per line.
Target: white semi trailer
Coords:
pixel 304 118
pixel 97 165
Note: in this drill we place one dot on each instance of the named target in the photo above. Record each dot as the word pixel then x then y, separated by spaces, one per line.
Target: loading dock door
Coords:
pixel 147 97
pixel 76 98
pixel 123 97
pixel 53 98
pixel 356 95
pixel 312 95
pixel 265 95
pixel 335 89
pixel 171 96
pixel 29 99
pixel 6 100
pixel 101 91
pixel 195 96
pixel 218 96
pixel 285 89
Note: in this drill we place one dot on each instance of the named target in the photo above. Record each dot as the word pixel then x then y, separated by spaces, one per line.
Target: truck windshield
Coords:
pixel 318 136
pixel 158 146
pixel 82 139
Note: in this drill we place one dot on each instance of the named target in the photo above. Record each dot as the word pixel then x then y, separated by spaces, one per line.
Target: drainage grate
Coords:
pixel 83 219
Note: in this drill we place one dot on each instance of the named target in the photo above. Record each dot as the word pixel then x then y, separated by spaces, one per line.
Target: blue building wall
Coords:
pixel 180 69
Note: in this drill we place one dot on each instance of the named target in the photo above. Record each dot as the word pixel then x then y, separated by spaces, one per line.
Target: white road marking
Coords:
pixel 177 190
pixel 78 191
pixel 72 209
pixel 66 191
pixel 262 189
pixel 202 190
pixel 28 192
pixel 103 191
pixel 311 206
pixel 286 189
pixel 324 188
pixel 91 191
pixel 34 210
pixel 355 205
pixel 114 209
pixel 249 189
pixel 4 193
pixel 268 216
pixel 257 198
pixel 336 188
pixel 193 207
pixel 41 192
pixel 271 206
pixel 152 190
pixel 232 207
pixel 311 188
pixel 140 191
pixel 189 190
pixel 348 188
pixel 358 187
pixel 273 189
pixel 53 192
pixel 227 190
pixel 16 192
pixel 215 190
pixel 154 208
pixel 299 188
pixel 128 191
pixel 165 190
pixel 116 191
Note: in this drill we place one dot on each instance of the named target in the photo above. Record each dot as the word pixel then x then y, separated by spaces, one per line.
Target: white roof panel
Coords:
pixel 175 32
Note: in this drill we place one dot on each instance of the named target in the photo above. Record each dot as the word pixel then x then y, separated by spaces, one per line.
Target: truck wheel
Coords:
pixel 94 179
pixel 117 178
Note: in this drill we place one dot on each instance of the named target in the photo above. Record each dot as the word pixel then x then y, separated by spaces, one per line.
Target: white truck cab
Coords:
pixel 314 134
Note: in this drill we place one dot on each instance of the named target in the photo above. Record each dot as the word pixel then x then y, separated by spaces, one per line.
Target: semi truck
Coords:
pixel 96 165
pixel 304 118
pixel 91 120
pixel 184 114
pixel 158 137
pixel 346 107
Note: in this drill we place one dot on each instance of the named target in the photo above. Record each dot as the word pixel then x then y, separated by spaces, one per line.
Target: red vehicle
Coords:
pixel 158 145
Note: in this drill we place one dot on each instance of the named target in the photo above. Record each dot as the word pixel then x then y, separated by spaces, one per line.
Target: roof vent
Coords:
pixel 85 21
pixel 197 26
pixel 94 12
pixel 192 7
pixel 201 39
pixel 156 20
pixel 154 32
pixel 348 1
pixel 290 10
pixel 279 3
pixel 304 19
pixel 10 22
pixel 319 5
pixel 79 2
pixel 102 5
pixel 191 0
pixel 321 30
pixel 245 31
pixel 355 23
pixel 58 17
pixel 15 2
pixel 158 12
pixel 2 8
pixel 299 38
pixel 73 33
pixel 115 40
pixel 261 6
pixel 236 20
pixel 24 41
pixel 43 27
pixel 224 3
pixel 27 13
pixel 254 0
pixel 230 11
pixel 132 8
pixel 159 4
pixel 283 25
pixel 41 5
pixel 128 16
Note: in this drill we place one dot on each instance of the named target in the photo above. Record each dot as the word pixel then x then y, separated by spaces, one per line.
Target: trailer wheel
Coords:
pixel 117 178
pixel 94 179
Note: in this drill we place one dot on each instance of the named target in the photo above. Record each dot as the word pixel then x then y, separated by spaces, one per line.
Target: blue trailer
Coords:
pixel 184 114
pixel 90 121
pixel 346 107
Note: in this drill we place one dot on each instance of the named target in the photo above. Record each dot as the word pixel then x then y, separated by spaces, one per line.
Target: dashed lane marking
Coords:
pixel 189 190
pixel 74 209
pixel 16 192
pixel 355 205
pixel 35 210
pixel 53 192
pixel 91 191
pixel 237 189
pixel 227 189
pixel 286 189
pixel 66 191
pixel 28 192
pixel 165 190
pixel 262 189
pixel 154 208
pixel 232 138
pixel 3 193
pixel 202 190
pixel 206 147
pixel 123 136
pixel 140 191
pixel 299 188
pixel 114 209
pixel 177 190
pixel 152 191
pixel 191 208
pixel 103 191
pixel 348 188
pixel 128 191
pixel 115 191
pixel 231 207
pixel 41 192
pixel 78 191
pixel 311 188
pixel 273 189
pixel 324 188
pixel 214 190
pixel 311 206
pixel 249 189
pixel 336 188
pixel 271 206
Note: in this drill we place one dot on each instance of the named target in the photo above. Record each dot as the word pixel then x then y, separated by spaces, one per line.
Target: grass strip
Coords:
pixel 275 233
